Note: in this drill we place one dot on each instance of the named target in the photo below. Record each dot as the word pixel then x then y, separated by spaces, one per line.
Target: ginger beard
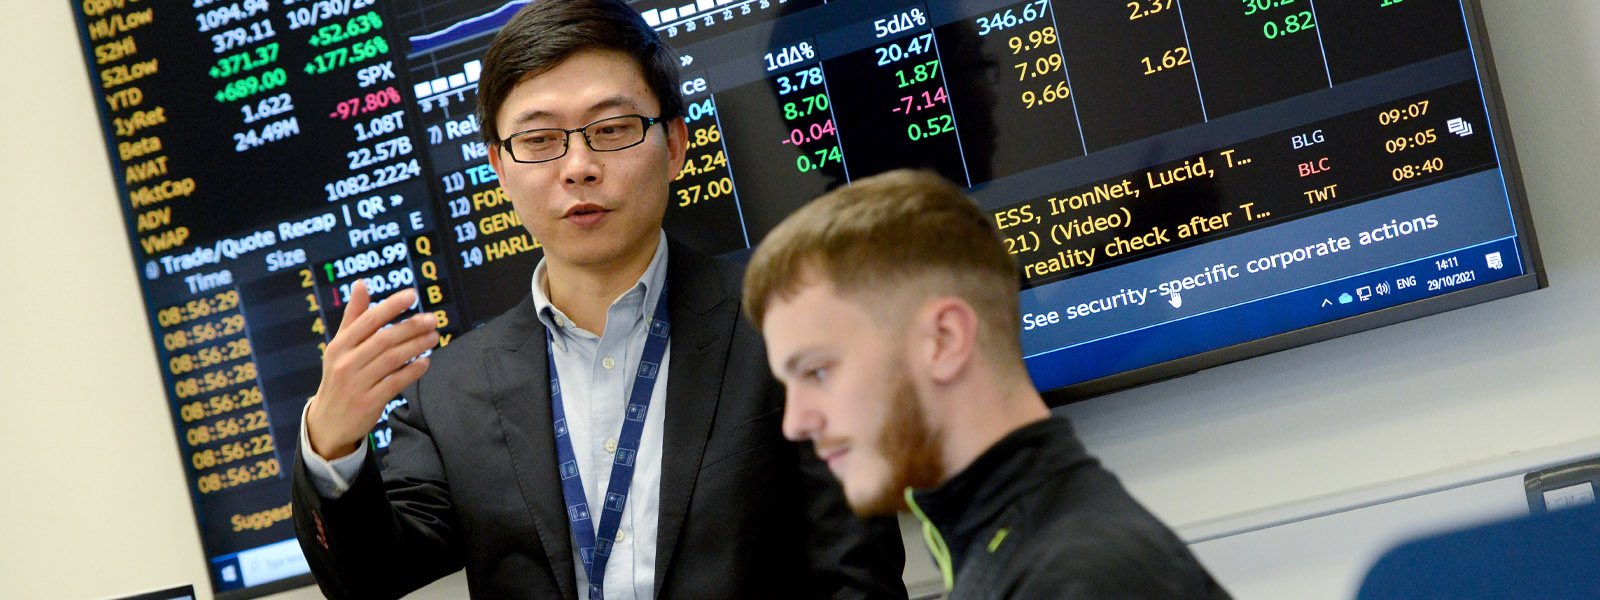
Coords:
pixel 908 444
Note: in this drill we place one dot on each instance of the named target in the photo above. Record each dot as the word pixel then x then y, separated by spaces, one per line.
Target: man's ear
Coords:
pixel 950 332
pixel 677 145
pixel 494 161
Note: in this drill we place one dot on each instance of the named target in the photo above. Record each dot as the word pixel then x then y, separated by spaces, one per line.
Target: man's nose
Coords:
pixel 581 164
pixel 800 421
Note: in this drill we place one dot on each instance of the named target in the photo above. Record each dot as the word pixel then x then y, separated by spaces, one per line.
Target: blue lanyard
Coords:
pixel 596 549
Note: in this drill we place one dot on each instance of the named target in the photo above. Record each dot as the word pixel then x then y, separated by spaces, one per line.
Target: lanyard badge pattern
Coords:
pixel 595 547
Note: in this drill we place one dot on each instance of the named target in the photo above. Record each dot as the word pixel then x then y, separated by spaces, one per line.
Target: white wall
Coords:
pixel 94 504
pixel 94 501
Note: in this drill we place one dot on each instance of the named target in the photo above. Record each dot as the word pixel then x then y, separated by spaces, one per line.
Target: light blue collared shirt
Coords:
pixel 596 379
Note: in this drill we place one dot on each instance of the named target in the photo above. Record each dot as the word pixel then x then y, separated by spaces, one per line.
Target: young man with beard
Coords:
pixel 616 434
pixel 890 313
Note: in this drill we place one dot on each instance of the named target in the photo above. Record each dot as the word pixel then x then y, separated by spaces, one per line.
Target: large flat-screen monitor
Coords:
pixel 1183 183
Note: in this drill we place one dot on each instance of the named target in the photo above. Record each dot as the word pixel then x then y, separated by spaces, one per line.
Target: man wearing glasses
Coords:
pixel 614 436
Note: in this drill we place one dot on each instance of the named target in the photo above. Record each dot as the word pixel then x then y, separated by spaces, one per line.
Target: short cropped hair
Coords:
pixel 545 33
pixel 892 239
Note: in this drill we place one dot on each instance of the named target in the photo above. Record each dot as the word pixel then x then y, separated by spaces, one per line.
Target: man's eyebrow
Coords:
pixel 613 102
pixel 605 104
pixel 530 116
pixel 793 362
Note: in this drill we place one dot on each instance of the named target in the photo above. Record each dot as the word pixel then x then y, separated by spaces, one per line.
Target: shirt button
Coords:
pixel 611 446
pixel 621 535
pixel 608 363
pixel 561 346
pixel 562 321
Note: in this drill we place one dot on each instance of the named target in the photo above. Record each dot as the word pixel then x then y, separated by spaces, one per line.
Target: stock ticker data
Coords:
pixel 1173 177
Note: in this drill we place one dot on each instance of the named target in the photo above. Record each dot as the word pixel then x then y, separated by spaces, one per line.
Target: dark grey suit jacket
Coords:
pixel 470 477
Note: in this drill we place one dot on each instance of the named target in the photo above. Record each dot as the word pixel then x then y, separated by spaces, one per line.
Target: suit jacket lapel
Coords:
pixel 521 362
pixel 703 314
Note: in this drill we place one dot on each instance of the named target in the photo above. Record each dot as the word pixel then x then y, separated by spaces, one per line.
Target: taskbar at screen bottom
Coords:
pixel 277 562
pixel 1426 277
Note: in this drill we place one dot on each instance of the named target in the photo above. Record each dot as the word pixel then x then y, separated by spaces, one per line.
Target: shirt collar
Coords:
pixel 649 286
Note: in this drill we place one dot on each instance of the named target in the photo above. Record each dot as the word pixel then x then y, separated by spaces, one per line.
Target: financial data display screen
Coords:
pixel 1183 183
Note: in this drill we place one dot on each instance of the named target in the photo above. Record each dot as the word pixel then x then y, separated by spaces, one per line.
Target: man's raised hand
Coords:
pixel 364 368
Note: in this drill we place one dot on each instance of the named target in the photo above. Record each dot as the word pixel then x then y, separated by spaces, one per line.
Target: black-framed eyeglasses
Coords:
pixel 606 135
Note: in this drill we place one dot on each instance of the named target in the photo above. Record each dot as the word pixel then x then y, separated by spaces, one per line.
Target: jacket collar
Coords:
pixel 965 505
pixel 704 299
pixel 519 361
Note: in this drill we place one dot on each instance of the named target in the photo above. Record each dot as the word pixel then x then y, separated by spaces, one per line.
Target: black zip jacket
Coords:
pixel 1035 516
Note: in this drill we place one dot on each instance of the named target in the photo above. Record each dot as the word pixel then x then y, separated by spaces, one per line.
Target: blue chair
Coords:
pixel 1554 556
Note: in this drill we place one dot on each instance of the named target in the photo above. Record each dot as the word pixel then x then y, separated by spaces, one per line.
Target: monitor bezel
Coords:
pixel 1533 278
